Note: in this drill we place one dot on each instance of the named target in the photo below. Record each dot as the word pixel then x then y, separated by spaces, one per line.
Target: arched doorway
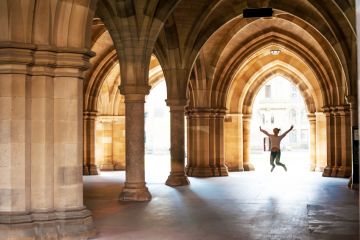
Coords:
pixel 279 104
pixel 157 134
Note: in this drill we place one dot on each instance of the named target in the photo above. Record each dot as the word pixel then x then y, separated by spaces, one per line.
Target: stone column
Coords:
pixel 337 143
pixel 107 143
pixel 15 141
pixel 89 167
pixel 177 175
pixel 199 165
pixel 207 143
pixel 213 147
pixel 233 142
pixel 330 146
pixel 191 141
pixel 312 123
pixel 344 162
pixel 41 146
pixel 119 142
pixel 135 188
pixel 41 94
pixel 353 103
pixel 246 118
pixel 219 143
pixel 312 142
pixel 68 142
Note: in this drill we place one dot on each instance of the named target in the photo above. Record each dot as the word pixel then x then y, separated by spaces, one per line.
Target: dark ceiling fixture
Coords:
pixel 257 12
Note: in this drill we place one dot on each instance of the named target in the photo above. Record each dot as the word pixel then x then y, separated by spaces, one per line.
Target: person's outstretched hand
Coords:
pixel 292 126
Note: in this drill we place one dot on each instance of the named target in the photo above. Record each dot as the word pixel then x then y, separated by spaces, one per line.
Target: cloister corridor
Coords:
pixel 80 157
pixel 248 205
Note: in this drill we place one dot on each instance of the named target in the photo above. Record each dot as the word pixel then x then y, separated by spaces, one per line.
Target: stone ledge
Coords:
pixel 72 225
pixel 177 179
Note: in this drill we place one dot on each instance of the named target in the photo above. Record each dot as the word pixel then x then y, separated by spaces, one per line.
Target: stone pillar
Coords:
pixel 233 142
pixel 246 118
pixel 89 167
pixel 191 141
pixel 177 175
pixel 337 143
pixel 219 143
pixel 107 144
pixel 353 103
pixel 199 165
pixel 207 143
pixel 345 158
pixel 321 142
pixel 330 142
pixel 135 188
pixel 312 123
pixel 41 146
pixel 41 94
pixel 68 142
pixel 15 141
pixel 119 142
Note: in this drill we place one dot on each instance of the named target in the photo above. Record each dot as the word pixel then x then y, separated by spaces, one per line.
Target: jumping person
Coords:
pixel 275 140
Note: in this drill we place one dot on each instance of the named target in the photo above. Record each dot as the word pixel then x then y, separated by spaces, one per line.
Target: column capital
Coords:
pixel 90 113
pixel 246 116
pixel 177 103
pixel 312 117
pixel 140 90
pixel 206 112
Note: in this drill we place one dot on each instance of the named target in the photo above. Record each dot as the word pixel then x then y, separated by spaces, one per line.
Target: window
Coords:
pixel 292 136
pixel 304 135
pixel 267 91
pixel 292 116
pixel 303 116
pixel 294 91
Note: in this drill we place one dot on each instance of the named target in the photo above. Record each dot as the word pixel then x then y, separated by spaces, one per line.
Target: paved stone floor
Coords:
pixel 247 205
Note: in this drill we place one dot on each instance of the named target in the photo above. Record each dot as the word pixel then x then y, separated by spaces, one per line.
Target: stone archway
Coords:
pixel 323 132
pixel 104 107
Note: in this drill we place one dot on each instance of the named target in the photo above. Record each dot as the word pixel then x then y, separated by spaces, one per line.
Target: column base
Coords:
pixel 90 170
pixel 319 169
pixel 207 171
pixel 235 169
pixel 201 172
pixel 223 171
pixel 72 225
pixel 312 168
pixel 327 172
pixel 135 192
pixel 334 171
pixel 344 172
pixel 353 186
pixel 107 167
pixel 177 179
pixel 86 170
pixel 249 167
pixel 119 167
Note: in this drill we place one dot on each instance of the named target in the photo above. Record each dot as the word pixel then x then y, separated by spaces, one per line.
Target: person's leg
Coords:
pixel 272 158
pixel 277 161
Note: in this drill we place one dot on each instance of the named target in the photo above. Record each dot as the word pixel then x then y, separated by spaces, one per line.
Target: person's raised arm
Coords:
pixel 263 131
pixel 284 134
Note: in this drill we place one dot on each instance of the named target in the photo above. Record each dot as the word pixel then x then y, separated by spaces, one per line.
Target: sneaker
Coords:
pixel 285 168
pixel 272 169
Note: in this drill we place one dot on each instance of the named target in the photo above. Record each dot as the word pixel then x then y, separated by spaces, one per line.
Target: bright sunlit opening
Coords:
pixel 279 104
pixel 157 134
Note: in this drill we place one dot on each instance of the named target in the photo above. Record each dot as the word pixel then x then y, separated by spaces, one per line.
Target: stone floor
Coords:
pixel 248 205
